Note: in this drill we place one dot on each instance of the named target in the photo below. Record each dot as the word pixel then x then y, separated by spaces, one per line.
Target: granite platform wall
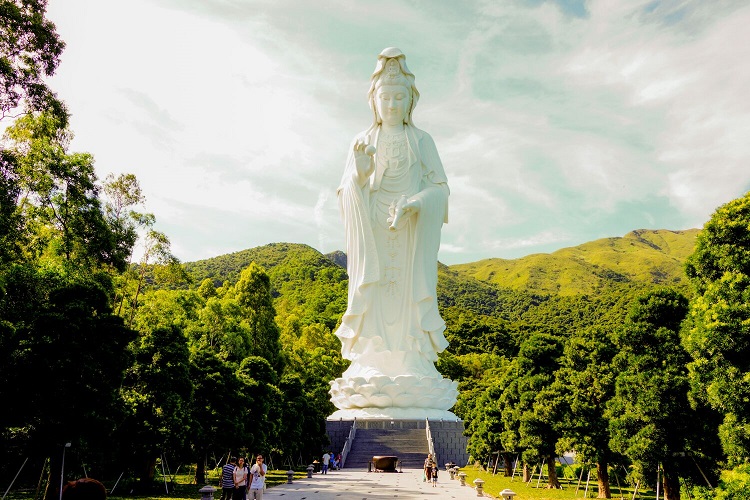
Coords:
pixel 447 436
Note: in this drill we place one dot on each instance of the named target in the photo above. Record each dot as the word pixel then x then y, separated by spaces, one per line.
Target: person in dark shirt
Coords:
pixel 227 479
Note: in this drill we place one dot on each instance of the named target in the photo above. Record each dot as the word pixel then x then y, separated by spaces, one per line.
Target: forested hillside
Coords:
pixel 503 287
pixel 488 309
pixel 651 257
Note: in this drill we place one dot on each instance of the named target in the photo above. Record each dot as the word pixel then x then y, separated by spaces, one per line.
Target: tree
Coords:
pixel 538 359
pixel 717 335
pixel 157 394
pixel 302 429
pixel 217 405
pixel 583 386
pixel 57 210
pixel 650 416
pixel 527 427
pixel 253 294
pixel 29 51
pixel 59 328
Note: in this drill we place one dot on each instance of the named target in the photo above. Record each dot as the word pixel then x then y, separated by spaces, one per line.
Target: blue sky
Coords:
pixel 558 122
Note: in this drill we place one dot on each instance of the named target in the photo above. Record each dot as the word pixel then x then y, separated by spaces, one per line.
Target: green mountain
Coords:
pixel 535 289
pixel 641 258
pixel 310 284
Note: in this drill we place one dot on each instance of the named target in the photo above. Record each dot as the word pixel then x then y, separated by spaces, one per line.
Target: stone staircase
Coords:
pixel 409 445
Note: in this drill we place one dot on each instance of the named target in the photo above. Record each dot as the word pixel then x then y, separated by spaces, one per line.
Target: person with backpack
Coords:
pixel 240 476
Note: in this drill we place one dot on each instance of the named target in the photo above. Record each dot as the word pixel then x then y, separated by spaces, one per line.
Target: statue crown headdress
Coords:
pixel 391 69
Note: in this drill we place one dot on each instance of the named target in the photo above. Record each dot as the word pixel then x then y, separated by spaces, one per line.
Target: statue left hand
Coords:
pixel 400 208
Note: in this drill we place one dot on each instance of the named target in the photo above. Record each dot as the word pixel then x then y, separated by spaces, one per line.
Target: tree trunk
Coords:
pixel 603 478
pixel 200 472
pixel 526 473
pixel 508 464
pixel 148 470
pixel 552 481
pixel 671 484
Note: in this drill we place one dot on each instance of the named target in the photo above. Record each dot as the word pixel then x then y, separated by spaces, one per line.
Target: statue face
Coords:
pixel 392 103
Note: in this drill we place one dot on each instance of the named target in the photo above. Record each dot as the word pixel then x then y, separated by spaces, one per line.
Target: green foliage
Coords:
pixel 157 393
pixel 717 334
pixel 57 212
pixel 64 356
pixel 253 296
pixel 29 51
pixel 651 421
pixel 468 332
pixel 583 386
pixel 218 394
pixel 734 485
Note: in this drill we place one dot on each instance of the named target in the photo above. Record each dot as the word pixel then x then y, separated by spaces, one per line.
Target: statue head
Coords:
pixel 391 72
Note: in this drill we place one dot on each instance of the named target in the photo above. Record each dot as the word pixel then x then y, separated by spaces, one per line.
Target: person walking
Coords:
pixel 326 461
pixel 428 468
pixel 240 480
pixel 258 481
pixel 227 479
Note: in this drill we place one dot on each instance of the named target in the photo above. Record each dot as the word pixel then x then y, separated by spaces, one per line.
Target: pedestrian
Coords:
pixel 427 468
pixel 227 479
pixel 434 475
pixel 326 460
pixel 258 475
pixel 240 480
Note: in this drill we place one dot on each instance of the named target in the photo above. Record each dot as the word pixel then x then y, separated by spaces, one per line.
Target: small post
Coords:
pixel 310 469
pixel 289 476
pixel 452 472
pixel 456 470
pixel 462 477
pixel 207 492
pixel 480 487
pixel 507 494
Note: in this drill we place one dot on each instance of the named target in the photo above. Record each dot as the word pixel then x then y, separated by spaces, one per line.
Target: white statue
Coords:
pixel 394 201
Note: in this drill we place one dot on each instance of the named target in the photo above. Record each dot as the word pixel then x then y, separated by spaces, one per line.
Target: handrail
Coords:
pixel 348 444
pixel 430 443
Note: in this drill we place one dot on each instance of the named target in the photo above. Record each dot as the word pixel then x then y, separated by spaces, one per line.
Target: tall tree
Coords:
pixel 157 393
pixel 30 50
pixel 650 416
pixel 539 359
pixel 58 213
pixel 526 416
pixel 59 328
pixel 253 295
pixel 217 407
pixel 718 329
pixel 583 386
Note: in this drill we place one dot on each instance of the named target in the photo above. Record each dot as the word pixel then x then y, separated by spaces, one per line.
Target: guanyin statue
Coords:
pixel 394 200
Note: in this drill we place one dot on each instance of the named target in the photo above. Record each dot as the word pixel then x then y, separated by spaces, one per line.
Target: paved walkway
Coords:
pixel 353 484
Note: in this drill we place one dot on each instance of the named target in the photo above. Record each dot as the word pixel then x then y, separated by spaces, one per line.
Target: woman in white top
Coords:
pixel 240 480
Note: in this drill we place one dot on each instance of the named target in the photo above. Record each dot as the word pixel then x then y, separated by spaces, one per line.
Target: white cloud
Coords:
pixel 553 128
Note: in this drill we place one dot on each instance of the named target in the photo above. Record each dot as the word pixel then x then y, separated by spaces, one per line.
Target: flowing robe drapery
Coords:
pixel 365 339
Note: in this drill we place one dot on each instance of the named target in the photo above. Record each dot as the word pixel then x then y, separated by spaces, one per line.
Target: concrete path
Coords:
pixel 354 484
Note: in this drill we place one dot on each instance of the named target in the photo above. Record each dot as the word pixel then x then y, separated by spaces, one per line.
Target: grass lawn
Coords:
pixel 536 490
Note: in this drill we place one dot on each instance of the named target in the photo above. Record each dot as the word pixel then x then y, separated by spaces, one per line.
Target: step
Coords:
pixel 409 445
